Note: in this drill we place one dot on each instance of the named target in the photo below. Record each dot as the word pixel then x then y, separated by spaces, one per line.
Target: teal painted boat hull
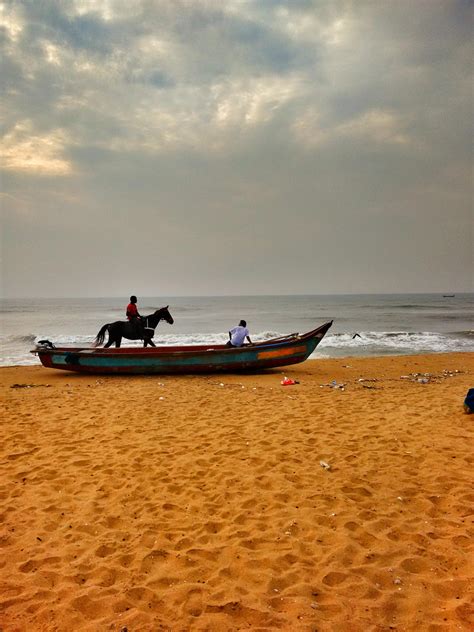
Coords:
pixel 285 351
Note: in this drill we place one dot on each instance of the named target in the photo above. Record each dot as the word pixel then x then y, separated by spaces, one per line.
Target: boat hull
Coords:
pixel 185 360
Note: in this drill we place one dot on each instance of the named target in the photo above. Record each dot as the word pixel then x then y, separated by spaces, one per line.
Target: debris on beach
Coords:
pixel 324 465
pixel 334 384
pixel 30 385
pixel 288 382
pixel 362 381
pixel 426 378
pixel 418 378
pixel 454 373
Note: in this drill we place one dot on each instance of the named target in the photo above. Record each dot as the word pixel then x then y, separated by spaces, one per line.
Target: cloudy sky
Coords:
pixel 186 147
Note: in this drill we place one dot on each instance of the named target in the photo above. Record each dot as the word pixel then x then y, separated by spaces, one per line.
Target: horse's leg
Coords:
pixel 118 340
pixel 112 331
pixel 150 342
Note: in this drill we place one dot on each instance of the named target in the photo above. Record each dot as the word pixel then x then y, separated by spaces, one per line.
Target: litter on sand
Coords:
pixel 324 465
pixel 288 382
pixel 334 384
pixel 29 385
pixel 427 378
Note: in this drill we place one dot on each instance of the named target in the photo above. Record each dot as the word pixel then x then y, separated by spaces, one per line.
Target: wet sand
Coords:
pixel 206 503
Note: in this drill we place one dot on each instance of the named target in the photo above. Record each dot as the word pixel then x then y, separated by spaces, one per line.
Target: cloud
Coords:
pixel 130 76
pixel 26 152
pixel 206 115
pixel 10 22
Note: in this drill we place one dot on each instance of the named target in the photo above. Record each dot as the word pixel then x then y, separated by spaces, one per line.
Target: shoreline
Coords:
pixel 204 502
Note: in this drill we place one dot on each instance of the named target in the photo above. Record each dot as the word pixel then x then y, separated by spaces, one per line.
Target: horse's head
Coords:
pixel 164 314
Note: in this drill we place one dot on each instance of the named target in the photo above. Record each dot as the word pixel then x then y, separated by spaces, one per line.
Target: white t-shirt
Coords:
pixel 238 335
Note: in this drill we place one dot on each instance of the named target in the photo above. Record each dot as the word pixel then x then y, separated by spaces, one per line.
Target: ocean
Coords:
pixel 388 324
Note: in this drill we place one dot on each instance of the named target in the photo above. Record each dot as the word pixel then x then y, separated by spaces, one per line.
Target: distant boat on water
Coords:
pixel 449 295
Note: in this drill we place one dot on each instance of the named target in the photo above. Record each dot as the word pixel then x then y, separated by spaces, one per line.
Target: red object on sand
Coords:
pixel 288 382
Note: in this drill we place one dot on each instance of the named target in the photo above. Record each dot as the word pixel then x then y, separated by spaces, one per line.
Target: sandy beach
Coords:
pixel 230 502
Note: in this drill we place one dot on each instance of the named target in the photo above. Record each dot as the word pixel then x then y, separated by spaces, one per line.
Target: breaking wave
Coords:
pixel 21 338
pixel 395 343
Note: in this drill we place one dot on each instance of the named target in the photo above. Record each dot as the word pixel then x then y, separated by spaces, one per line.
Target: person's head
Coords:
pixel 133 299
pixel 242 323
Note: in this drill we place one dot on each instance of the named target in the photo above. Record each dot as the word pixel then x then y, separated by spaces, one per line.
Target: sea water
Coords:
pixel 387 324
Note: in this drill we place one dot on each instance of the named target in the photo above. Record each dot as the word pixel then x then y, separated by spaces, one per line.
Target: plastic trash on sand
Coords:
pixel 288 382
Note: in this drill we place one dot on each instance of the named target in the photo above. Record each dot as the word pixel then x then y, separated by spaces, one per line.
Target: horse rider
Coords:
pixel 133 316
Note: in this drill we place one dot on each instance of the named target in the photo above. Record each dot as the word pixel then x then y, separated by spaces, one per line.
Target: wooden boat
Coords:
pixel 284 351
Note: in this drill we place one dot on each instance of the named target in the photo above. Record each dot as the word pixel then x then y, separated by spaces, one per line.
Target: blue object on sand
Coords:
pixel 469 401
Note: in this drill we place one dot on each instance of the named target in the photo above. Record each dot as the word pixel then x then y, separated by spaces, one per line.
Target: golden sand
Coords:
pixel 206 503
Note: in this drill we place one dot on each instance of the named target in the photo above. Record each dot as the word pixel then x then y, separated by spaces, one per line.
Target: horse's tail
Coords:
pixel 99 339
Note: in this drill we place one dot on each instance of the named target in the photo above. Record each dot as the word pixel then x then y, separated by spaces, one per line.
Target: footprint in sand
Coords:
pixel 334 578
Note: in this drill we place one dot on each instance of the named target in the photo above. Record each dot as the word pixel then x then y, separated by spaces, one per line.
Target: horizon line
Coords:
pixel 446 294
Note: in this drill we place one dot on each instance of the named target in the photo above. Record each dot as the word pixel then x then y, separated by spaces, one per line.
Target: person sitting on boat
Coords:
pixel 132 314
pixel 238 334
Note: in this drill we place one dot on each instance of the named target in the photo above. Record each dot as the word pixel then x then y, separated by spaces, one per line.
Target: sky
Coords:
pixel 211 147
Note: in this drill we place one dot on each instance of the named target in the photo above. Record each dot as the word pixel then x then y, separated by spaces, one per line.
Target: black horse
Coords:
pixel 139 330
